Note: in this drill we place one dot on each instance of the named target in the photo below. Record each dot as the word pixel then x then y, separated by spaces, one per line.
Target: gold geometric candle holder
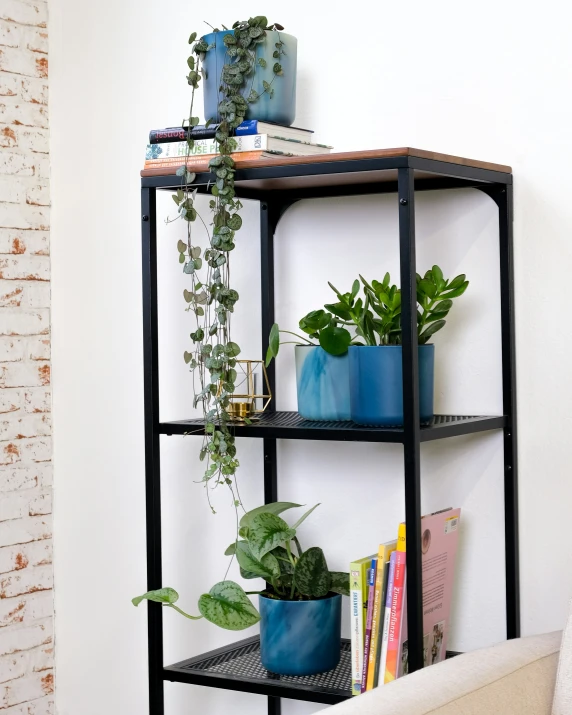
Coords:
pixel 243 404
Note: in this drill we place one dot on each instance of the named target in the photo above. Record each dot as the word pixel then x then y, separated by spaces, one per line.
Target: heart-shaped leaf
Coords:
pixel 335 340
pixel 311 573
pixel 340 582
pixel 161 595
pixel 276 507
pixel 226 605
pixel 266 532
pixel 266 568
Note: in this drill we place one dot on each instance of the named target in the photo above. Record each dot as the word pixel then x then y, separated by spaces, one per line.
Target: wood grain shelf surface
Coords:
pixel 345 156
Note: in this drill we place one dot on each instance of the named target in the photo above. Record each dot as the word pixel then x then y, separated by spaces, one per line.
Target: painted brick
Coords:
pixel 14 163
pixel 12 349
pixel 22 374
pixel 35 660
pixel 29 294
pixel 22 690
pixel 12 190
pixel 30 89
pixel 14 506
pixel 37 399
pixel 24 138
pixel 40 505
pixel 24 322
pixel 11 85
pixel 34 425
pixel 24 216
pixel 25 13
pixel 21 556
pixel 23 531
pixel 28 477
pixel 43 706
pixel 38 449
pixel 28 114
pixel 19 242
pixel 38 348
pixel 38 194
pixel 11 295
pixel 41 166
pixel 24 267
pixel 18 638
pixel 29 580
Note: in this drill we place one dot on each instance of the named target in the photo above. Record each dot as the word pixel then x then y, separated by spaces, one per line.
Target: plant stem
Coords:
pixel 298 546
pixel 186 615
pixel 297 336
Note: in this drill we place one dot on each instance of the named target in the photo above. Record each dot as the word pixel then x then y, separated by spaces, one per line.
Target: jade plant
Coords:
pixel 377 317
pixel 267 547
pixel 209 297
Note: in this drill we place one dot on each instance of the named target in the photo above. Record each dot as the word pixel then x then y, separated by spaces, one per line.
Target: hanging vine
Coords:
pixel 211 299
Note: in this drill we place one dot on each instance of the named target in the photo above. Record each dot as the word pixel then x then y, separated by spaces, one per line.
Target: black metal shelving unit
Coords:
pixel 276 187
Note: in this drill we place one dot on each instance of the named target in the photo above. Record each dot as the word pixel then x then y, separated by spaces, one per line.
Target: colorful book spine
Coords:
pixel 177 134
pixel 358 604
pixel 383 556
pixel 387 618
pixel 369 621
pixel 198 161
pixel 180 149
pixel 394 636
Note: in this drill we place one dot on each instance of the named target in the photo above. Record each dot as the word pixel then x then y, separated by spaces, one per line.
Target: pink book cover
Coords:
pixel 439 540
pixel 393 642
pixel 369 622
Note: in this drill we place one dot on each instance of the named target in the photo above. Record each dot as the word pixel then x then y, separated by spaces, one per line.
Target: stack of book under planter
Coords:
pixel 378 586
pixel 168 149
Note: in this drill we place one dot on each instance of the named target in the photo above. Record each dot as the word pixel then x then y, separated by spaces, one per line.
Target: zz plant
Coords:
pixel 268 548
pixel 210 297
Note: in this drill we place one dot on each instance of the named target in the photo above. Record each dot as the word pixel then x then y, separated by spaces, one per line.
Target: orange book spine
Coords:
pixel 194 161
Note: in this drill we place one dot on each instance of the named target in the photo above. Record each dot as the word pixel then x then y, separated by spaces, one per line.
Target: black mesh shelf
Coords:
pixel 238 667
pixel 289 425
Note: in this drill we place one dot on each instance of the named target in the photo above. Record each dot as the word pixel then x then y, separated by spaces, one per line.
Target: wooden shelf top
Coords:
pixel 347 156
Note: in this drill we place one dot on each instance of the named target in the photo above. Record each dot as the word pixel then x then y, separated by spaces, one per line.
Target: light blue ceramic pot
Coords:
pixel 323 384
pixel 376 384
pixel 300 637
pixel 281 107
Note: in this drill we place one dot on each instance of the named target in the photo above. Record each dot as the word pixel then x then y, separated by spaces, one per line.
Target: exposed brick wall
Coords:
pixel 26 608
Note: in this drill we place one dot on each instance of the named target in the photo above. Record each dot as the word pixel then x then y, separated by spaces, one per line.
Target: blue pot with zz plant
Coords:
pixel 322 364
pixel 375 355
pixel 300 607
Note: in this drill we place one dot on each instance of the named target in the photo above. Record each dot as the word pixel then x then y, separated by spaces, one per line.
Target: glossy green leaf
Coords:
pixel 273 343
pixel 161 595
pixel 304 516
pixel 266 568
pixel 431 329
pixel 335 340
pixel 226 605
pixel 454 293
pixel 276 507
pixel 340 582
pixel 267 531
pixel 311 573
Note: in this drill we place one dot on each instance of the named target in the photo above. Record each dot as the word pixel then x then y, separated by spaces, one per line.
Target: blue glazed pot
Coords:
pixel 281 107
pixel 300 637
pixel 376 384
pixel 323 384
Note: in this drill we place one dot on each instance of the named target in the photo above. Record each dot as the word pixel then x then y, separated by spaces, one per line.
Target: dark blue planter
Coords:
pixel 322 384
pixel 300 637
pixel 281 107
pixel 376 384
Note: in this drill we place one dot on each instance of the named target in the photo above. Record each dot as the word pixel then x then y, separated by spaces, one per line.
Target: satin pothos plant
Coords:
pixel 266 547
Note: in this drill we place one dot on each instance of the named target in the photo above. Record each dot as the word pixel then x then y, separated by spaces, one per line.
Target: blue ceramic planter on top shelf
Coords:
pixel 300 637
pixel 279 108
pixel 322 383
pixel 376 384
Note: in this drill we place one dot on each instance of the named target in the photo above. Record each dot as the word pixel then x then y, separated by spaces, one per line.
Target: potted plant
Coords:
pixel 322 365
pixel 376 378
pixel 300 607
pixel 271 51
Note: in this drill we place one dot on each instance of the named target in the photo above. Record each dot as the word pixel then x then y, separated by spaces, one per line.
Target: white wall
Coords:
pixel 485 83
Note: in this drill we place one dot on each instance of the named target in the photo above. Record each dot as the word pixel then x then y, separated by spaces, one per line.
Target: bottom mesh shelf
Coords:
pixel 238 667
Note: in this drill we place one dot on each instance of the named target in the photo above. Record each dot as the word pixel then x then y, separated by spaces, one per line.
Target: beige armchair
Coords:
pixel 527 676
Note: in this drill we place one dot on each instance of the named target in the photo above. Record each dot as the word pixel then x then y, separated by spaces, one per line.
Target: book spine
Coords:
pixel 381 619
pixel 356 624
pixel 387 618
pixel 177 134
pixel 377 604
pixel 369 621
pixel 195 162
pixel 204 147
pixel 393 640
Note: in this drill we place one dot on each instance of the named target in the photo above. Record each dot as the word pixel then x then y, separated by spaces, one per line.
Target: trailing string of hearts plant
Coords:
pixel 210 297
